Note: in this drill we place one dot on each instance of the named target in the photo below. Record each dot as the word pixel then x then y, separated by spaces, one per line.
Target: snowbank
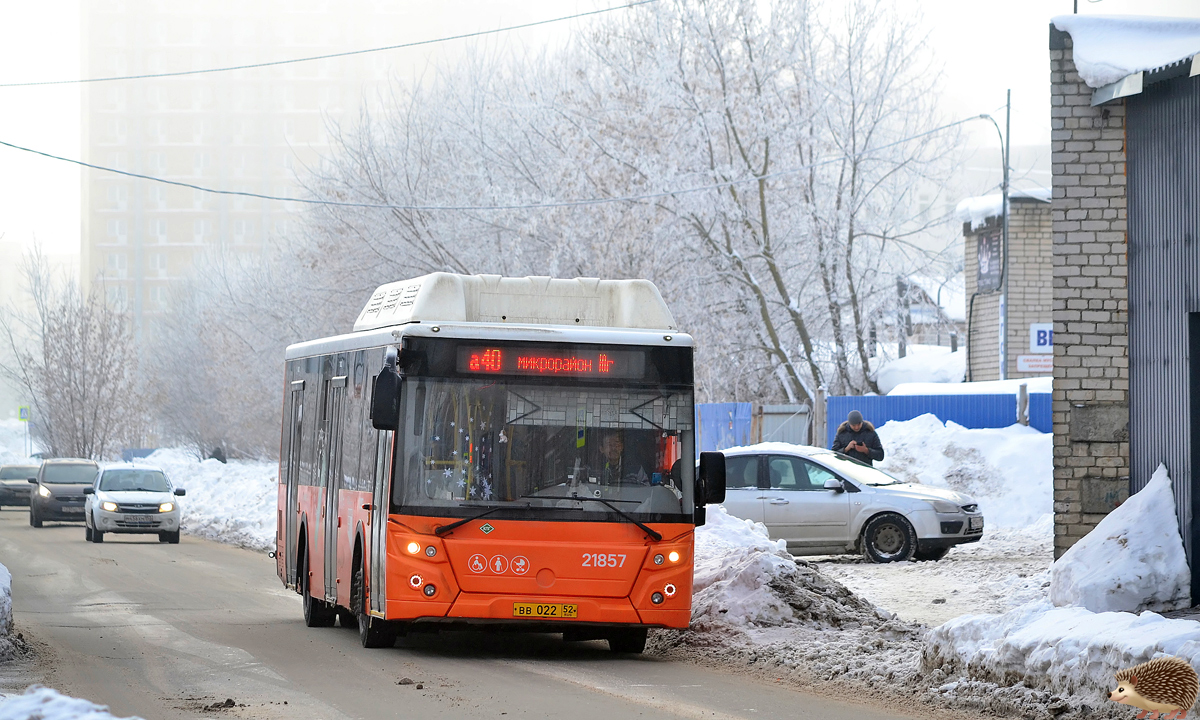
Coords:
pixel 12 442
pixel 6 645
pixel 1070 650
pixel 1132 560
pixel 1109 47
pixel 43 703
pixel 923 364
pixel 1008 470
pixel 976 210
pixel 232 502
pixel 986 387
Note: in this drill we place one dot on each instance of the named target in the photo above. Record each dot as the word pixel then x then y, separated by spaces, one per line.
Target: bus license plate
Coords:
pixel 545 610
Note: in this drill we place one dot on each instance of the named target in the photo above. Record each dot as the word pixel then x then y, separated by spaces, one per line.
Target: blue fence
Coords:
pixel 972 411
pixel 722 425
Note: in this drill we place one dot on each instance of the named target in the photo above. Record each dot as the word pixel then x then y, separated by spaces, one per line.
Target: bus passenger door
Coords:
pixel 334 401
pixel 380 503
pixel 291 511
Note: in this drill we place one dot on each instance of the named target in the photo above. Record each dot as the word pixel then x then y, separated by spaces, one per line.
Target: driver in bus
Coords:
pixel 616 467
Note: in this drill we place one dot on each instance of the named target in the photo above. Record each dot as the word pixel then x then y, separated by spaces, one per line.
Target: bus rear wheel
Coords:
pixel 316 612
pixel 630 640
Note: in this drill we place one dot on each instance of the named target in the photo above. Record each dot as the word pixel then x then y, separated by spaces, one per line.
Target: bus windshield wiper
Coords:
pixel 443 529
pixel 582 498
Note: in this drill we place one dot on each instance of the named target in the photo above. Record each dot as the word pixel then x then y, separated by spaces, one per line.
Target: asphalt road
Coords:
pixel 164 631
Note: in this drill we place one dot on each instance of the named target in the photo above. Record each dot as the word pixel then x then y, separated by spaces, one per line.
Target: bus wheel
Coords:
pixel 316 612
pixel 373 632
pixel 346 618
pixel 631 640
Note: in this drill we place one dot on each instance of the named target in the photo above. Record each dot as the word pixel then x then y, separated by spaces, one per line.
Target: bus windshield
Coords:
pixel 545 451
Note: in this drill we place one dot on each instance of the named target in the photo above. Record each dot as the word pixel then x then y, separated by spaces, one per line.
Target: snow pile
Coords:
pixel 12 441
pixel 985 387
pixel 923 364
pixel 43 703
pixel 7 651
pixel 1132 560
pixel 745 579
pixel 1066 650
pixel 977 210
pixel 232 502
pixel 1109 47
pixel 1009 471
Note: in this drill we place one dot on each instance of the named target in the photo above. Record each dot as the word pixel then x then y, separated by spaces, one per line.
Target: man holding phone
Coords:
pixel 856 438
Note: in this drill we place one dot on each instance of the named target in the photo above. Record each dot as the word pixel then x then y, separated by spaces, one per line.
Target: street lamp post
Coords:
pixel 1005 145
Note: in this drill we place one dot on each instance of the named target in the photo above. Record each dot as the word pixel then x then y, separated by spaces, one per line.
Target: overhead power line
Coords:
pixel 329 56
pixel 513 206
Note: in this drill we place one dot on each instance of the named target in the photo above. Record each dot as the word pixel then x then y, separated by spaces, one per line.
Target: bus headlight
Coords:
pixel 108 506
pixel 673 556
pixel 414 548
pixel 166 507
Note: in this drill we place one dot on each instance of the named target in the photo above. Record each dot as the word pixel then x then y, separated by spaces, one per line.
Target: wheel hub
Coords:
pixel 889 540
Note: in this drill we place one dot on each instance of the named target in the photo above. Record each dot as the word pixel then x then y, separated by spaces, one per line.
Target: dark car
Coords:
pixel 14 484
pixel 58 493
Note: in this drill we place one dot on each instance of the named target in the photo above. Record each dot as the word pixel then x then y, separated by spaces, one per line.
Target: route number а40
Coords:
pixel 602 560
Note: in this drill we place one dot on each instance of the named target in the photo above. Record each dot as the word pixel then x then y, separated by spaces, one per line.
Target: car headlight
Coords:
pixel 944 507
pixel 43 491
pixel 108 506
pixel 166 507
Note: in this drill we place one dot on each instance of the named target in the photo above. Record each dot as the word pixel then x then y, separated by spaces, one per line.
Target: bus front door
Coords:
pixel 291 511
pixel 380 503
pixel 335 396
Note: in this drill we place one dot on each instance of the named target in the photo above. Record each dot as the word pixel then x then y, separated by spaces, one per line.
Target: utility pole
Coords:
pixel 1004 242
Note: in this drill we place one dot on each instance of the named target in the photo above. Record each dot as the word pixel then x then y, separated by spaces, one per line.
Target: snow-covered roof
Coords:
pixel 976 210
pixel 1108 48
pixel 581 302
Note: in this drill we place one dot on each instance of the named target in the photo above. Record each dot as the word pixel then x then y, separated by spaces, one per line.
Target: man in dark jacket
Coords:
pixel 858 439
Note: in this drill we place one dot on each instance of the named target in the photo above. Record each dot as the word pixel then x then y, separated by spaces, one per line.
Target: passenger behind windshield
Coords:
pixel 134 480
pixel 81 474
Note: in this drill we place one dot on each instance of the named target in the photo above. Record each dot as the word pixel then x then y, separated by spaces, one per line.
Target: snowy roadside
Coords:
pixel 230 502
pixel 43 703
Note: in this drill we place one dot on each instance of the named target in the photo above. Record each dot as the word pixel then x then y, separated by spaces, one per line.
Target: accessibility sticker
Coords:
pixel 477 563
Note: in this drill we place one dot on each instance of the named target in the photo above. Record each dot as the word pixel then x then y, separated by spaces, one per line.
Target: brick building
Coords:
pixel 1126 165
pixel 1030 294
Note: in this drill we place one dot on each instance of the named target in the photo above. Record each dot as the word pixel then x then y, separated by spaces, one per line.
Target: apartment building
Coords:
pixel 254 130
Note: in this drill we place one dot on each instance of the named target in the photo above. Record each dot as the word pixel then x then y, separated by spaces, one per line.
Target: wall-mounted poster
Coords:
pixel 987 275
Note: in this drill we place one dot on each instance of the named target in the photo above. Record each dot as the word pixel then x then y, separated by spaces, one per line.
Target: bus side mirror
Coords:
pixel 710 481
pixel 385 400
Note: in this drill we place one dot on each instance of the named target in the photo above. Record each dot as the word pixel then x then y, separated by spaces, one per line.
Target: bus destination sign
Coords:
pixel 621 364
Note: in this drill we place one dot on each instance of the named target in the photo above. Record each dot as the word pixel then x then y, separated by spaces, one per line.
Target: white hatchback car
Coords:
pixel 824 503
pixel 132 499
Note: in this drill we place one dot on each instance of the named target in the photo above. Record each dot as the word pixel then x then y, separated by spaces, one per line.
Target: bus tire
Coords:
pixel 373 632
pixel 630 640
pixel 346 618
pixel 317 613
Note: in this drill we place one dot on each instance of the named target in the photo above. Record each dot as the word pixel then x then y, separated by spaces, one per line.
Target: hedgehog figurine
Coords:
pixel 1166 685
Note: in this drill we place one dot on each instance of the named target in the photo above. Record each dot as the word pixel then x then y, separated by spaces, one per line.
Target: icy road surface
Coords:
pixel 164 631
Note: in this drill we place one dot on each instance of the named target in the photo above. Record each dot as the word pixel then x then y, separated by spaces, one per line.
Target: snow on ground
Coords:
pixel 759 610
pixel 230 502
pixel 923 364
pixel 983 387
pixel 1007 568
pixel 43 703
pixel 1008 470
pixel 7 650
pixel 1133 560
pixel 12 441
pixel 1109 47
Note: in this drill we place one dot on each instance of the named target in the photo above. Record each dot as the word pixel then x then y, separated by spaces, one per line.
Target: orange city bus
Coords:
pixel 500 451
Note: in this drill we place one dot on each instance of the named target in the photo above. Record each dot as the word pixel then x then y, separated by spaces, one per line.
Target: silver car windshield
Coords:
pixel 134 480
pixel 856 471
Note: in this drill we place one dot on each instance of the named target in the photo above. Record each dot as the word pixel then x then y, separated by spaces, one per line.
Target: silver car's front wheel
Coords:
pixel 889 538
